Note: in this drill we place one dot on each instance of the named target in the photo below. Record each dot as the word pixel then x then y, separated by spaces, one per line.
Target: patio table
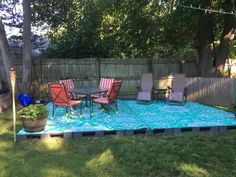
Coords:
pixel 88 92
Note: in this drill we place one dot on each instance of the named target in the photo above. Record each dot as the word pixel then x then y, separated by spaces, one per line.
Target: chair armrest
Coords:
pixel 185 92
pixel 72 96
pixel 169 89
pixel 103 93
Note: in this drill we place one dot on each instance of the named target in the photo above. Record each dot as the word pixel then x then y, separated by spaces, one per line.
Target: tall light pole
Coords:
pixel 13 83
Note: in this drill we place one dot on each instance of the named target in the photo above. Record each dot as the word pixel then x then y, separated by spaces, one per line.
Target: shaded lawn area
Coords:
pixel 188 155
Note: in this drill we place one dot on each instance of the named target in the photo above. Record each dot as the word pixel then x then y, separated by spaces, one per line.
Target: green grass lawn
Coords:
pixel 205 154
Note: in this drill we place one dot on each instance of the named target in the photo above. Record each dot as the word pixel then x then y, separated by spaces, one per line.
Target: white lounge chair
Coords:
pixel 146 87
pixel 178 91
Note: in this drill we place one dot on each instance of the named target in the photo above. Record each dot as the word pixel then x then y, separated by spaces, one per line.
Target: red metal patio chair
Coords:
pixel 60 97
pixel 111 97
pixel 105 84
pixel 68 83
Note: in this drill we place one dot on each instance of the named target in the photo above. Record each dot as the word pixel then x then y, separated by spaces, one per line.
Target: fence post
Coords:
pixel 150 67
pixel 180 66
pixel 98 69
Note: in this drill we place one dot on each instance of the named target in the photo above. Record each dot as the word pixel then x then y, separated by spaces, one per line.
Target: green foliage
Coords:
pixel 113 28
pixel 233 51
pixel 33 111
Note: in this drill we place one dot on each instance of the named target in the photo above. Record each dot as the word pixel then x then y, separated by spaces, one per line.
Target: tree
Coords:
pixel 212 58
pixel 26 79
pixel 6 56
pixel 13 18
pixel 205 40
pixel 10 17
pixel 210 34
pixel 227 37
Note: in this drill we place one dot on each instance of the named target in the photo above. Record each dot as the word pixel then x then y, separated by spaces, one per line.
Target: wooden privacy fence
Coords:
pixel 212 91
pixel 86 72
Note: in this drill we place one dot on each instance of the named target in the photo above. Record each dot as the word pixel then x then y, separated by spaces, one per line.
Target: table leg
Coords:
pixel 91 106
pixel 86 101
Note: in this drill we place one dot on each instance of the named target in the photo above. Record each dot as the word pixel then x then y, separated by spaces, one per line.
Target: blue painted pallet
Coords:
pixel 133 118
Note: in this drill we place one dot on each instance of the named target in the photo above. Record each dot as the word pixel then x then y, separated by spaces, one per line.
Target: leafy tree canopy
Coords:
pixel 128 28
pixel 120 28
pixel 116 28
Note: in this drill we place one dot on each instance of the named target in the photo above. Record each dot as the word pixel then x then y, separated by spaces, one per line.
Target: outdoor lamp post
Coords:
pixel 13 83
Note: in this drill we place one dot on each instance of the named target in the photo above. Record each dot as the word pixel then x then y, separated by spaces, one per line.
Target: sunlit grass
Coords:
pixel 102 165
pixel 53 144
pixel 55 171
pixel 228 109
pixel 193 170
pixel 103 159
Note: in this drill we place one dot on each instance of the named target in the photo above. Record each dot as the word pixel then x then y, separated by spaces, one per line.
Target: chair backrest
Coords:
pixel 105 83
pixel 114 91
pixel 178 83
pixel 68 83
pixel 146 82
pixel 59 93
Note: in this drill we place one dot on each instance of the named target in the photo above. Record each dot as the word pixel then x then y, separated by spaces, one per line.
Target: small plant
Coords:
pixel 34 111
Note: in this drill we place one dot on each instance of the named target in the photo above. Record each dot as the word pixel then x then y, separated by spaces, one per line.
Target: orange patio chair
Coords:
pixel 111 97
pixel 60 97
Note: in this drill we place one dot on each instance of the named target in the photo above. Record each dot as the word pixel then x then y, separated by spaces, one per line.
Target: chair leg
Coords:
pixel 102 107
pixel 53 110
pixel 81 110
pixel 67 113
pixel 116 107
pixel 75 110
pixel 86 102
pixel 107 109
pixel 53 107
pixel 91 110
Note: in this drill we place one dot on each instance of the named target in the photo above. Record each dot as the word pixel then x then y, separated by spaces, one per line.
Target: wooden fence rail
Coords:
pixel 86 72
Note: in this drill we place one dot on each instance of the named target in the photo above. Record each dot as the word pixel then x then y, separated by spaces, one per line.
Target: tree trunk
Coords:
pixel 6 56
pixel 227 38
pixel 26 78
pixel 205 43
